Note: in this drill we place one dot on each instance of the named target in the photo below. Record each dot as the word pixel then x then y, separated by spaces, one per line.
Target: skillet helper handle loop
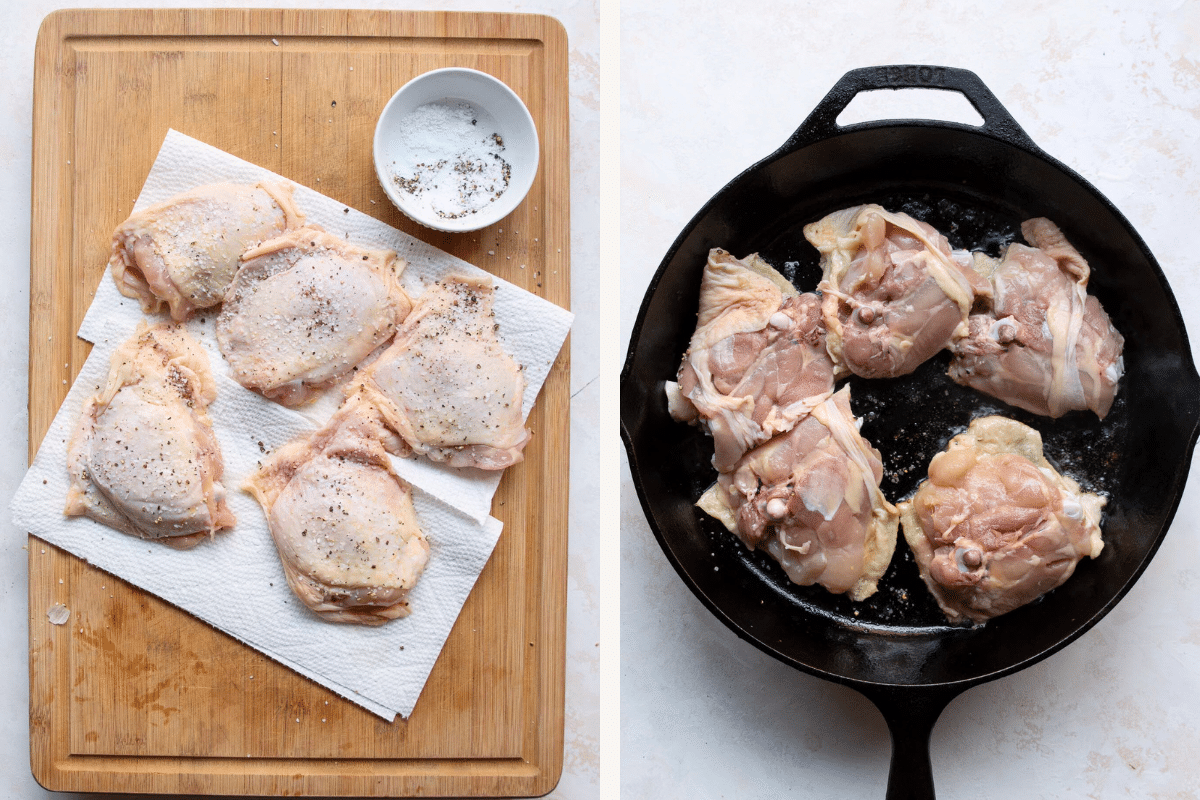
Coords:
pixel 910 713
pixel 822 122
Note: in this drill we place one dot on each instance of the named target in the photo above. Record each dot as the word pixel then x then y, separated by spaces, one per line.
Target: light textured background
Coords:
pixel 1111 89
pixel 581 20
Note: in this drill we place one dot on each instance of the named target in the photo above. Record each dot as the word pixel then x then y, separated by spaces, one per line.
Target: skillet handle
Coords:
pixel 822 122
pixel 910 712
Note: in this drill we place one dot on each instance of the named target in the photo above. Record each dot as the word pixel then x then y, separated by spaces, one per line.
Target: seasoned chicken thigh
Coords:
pixel 144 459
pixel 343 521
pixel 894 293
pixel 1044 344
pixel 445 385
pixel 304 309
pixel 183 252
pixel 811 499
pixel 757 362
pixel 995 526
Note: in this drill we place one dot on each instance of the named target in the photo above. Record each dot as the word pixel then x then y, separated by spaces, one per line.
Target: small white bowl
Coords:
pixel 513 122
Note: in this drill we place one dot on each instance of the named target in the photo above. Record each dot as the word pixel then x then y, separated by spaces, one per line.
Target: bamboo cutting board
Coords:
pixel 135 695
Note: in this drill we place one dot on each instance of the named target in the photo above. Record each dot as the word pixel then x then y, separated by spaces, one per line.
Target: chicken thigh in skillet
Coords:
pixel 1043 343
pixel 811 499
pixel 995 526
pixel 893 292
pixel 757 361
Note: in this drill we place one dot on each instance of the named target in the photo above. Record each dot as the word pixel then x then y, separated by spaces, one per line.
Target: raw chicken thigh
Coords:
pixel 343 521
pixel 304 309
pixel 894 293
pixel 183 252
pixel 445 384
pixel 144 459
pixel 1044 344
pixel 995 526
pixel 757 362
pixel 811 499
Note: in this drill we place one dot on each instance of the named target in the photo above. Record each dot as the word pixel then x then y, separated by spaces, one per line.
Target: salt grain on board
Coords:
pixel 58 614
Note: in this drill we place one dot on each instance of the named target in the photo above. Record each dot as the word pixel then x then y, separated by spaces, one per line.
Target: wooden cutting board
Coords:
pixel 135 695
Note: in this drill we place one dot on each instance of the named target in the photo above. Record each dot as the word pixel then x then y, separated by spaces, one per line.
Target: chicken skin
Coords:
pixel 811 499
pixel 143 459
pixel 343 521
pixel 304 309
pixel 182 253
pixel 893 291
pixel 995 526
pixel 1043 344
pixel 445 385
pixel 757 362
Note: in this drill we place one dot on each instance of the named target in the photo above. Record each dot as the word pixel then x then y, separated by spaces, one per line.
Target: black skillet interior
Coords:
pixel 975 185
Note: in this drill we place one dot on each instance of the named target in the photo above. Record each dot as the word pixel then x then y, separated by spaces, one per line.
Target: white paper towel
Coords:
pixel 235 581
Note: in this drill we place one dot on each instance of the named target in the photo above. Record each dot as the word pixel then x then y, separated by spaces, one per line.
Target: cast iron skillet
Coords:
pixel 975 185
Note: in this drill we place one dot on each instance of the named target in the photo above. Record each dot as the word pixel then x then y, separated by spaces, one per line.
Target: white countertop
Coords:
pixel 581 771
pixel 1112 90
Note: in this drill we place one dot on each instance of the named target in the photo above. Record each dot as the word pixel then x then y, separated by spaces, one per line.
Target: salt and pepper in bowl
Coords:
pixel 455 149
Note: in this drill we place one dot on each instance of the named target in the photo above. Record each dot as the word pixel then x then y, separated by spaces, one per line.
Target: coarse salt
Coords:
pixel 450 160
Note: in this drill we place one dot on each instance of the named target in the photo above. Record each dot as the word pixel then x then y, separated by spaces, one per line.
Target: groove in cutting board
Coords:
pixel 135 695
